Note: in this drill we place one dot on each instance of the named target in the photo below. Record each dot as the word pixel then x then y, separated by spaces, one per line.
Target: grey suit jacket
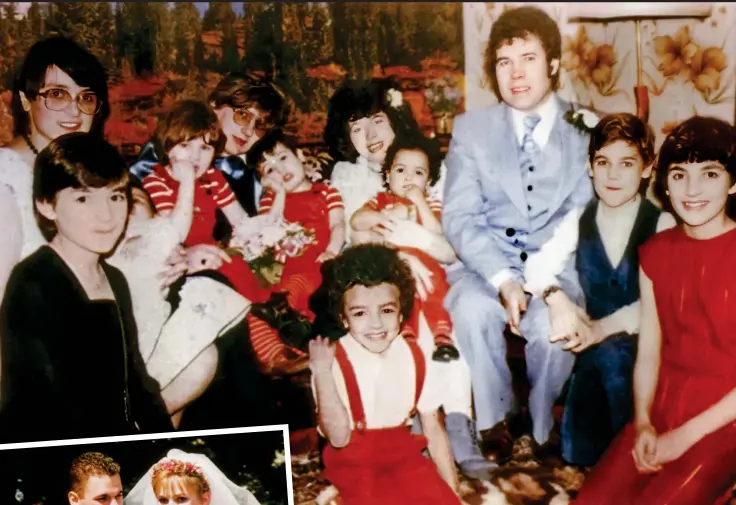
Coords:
pixel 485 214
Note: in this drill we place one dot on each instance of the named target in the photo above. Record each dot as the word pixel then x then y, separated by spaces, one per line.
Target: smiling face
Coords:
pixel 88 219
pixel 409 168
pixel 372 136
pixel 99 490
pixel 49 124
pixel 698 193
pixel 523 73
pixel 242 127
pixel 372 315
pixel 617 170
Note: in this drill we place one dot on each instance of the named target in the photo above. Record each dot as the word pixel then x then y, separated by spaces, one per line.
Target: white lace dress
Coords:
pixel 16 182
pixel 360 181
pixel 170 342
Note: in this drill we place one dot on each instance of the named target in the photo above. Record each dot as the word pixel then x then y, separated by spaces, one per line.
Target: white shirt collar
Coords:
pixel 547 111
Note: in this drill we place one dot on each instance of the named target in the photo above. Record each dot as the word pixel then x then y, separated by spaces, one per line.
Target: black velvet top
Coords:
pixel 71 366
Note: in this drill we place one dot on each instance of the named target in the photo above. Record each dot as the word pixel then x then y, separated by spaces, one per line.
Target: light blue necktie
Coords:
pixel 528 147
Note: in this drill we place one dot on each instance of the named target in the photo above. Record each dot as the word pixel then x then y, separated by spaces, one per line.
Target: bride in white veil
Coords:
pixel 211 487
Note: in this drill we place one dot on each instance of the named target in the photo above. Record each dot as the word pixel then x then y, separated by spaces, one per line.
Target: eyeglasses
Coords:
pixel 244 117
pixel 58 99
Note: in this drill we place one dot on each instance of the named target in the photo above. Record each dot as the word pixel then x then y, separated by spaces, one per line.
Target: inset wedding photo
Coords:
pixel 241 466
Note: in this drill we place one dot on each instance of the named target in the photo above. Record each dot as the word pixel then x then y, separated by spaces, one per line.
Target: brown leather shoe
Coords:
pixel 286 363
pixel 497 443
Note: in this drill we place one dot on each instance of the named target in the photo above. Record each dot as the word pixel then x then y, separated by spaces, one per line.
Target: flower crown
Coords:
pixel 177 467
pixel 395 98
pixel 583 120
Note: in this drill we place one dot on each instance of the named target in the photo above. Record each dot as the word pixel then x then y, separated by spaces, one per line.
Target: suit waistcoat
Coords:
pixel 608 288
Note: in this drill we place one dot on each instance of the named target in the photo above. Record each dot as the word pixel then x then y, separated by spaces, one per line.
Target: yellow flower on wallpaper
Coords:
pixel 681 57
pixel 591 64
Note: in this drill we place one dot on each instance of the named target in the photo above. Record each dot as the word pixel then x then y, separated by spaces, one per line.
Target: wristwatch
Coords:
pixel 548 291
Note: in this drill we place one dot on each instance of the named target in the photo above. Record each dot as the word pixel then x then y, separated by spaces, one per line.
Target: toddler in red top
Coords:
pixel 412 165
pixel 186 186
pixel 291 196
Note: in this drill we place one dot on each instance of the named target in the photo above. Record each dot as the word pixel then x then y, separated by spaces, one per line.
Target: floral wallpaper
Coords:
pixel 687 64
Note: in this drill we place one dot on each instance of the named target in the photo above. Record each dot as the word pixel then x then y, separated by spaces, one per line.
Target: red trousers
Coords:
pixel 386 467
pixel 433 308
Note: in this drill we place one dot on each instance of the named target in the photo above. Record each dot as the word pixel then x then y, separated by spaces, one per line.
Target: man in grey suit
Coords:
pixel 516 178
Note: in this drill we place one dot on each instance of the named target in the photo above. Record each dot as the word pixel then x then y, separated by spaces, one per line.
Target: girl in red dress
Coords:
pixel 370 382
pixel 681 447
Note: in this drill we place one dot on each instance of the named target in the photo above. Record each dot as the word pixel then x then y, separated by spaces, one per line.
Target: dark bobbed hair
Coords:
pixel 354 100
pixel 266 145
pixel 367 265
pixel 519 23
pixel 186 120
pixel 75 160
pixel 696 140
pixel 241 90
pixel 628 128
pixel 415 142
pixel 72 59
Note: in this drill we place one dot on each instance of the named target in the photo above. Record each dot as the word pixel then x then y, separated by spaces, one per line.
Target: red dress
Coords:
pixel 386 465
pixel 695 290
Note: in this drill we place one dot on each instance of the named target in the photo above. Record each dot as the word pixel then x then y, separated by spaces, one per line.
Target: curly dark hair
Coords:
pixel 415 142
pixel 519 23
pixel 367 265
pixel 696 140
pixel 354 100
pixel 87 465
pixel 628 128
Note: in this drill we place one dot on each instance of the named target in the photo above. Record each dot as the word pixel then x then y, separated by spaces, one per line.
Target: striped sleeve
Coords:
pixel 435 205
pixel 162 196
pixel 266 202
pixel 334 199
pixel 221 191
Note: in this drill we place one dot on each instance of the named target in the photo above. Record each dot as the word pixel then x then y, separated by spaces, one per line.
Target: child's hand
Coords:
pixel 321 355
pixel 273 183
pixel 183 171
pixel 415 195
pixel 397 212
pixel 182 168
pixel 325 256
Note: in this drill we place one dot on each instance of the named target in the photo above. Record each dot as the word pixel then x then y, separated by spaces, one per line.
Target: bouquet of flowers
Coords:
pixel 442 96
pixel 267 249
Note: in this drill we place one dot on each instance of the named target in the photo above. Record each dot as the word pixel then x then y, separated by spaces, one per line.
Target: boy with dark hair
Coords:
pixel 612 227
pixel 369 384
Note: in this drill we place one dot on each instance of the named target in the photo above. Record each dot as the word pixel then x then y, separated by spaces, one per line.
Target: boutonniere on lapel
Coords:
pixel 583 120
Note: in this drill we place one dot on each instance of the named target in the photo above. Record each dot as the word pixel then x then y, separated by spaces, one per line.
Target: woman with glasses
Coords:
pixel 60 88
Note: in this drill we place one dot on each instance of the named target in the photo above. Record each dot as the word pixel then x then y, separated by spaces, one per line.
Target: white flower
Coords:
pixel 19 495
pixel 395 98
pixel 589 117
